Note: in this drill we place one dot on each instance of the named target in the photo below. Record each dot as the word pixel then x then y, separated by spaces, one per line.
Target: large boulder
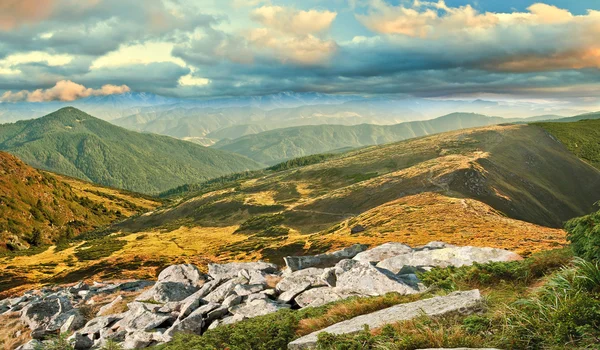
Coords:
pixel 231 270
pixel 366 279
pixel 185 273
pixel 53 314
pixel 295 263
pixel 382 252
pixel 437 306
pixel 164 292
pixel 444 257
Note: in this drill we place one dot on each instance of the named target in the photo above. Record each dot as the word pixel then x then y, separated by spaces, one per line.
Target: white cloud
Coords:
pixel 9 65
pixel 150 52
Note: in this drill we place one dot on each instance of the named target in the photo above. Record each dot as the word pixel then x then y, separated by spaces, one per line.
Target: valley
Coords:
pixel 500 186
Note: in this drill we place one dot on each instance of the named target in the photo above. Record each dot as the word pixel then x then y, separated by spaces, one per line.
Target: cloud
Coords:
pixel 64 90
pixel 14 13
pixel 289 20
pixel 543 39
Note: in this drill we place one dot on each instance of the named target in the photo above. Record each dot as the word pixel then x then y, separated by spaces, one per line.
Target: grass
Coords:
pixel 580 137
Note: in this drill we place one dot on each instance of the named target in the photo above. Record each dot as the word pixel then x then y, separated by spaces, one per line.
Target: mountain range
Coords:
pixel 74 143
pixel 271 147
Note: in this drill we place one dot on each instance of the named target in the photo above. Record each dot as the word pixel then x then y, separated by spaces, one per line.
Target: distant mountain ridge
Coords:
pixel 74 143
pixel 271 147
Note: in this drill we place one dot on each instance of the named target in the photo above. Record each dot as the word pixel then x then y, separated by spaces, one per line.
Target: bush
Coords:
pixel 57 343
pixel 566 311
pixel 584 234
pixel 494 273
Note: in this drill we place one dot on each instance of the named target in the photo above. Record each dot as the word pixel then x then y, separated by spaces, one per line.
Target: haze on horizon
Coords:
pixel 515 52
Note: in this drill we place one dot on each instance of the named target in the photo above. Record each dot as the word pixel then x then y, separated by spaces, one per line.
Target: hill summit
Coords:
pixel 77 144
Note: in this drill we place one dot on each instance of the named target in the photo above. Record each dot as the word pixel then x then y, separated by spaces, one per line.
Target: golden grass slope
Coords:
pixel 504 186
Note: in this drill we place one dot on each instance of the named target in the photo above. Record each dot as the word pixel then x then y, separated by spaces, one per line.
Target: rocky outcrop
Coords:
pixel 444 257
pixel 456 302
pixel 185 300
pixel 295 263
pixel 382 252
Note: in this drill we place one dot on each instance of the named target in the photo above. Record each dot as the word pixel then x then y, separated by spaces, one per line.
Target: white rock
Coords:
pixel 454 302
pixel 382 252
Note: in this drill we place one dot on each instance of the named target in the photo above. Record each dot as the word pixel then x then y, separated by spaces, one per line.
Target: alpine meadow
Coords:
pixel 290 175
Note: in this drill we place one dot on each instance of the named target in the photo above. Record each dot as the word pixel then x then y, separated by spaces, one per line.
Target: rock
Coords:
pixel 320 296
pixel 97 327
pixel 232 319
pixel 164 292
pixel 454 302
pixel 191 324
pixel 109 306
pixel 48 315
pixel 223 291
pixel 130 286
pixel 366 279
pixel 329 277
pixel 290 294
pixel 216 313
pixel 231 270
pixel 357 229
pixel 192 302
pixel 255 276
pixel 139 339
pixel 444 257
pixel 434 245
pixel 81 341
pixel 256 296
pixel 295 263
pixel 293 280
pixel 247 289
pixel 232 300
pixel 185 273
pixel 141 318
pixel 382 252
pixel 257 307
pixel 33 344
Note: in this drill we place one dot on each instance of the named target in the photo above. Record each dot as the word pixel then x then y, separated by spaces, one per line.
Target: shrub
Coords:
pixel 59 342
pixel 584 234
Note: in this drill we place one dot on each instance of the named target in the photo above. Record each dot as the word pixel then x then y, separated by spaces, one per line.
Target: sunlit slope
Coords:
pixel 74 143
pixel 501 186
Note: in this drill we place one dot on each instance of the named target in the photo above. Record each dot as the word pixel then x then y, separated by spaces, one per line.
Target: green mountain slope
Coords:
pixel 581 137
pixel 74 143
pixel 275 146
pixel 37 207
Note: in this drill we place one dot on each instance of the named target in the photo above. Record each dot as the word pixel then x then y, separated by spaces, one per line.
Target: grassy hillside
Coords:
pixel 74 143
pixel 581 137
pixel 501 186
pixel 38 208
pixel 275 146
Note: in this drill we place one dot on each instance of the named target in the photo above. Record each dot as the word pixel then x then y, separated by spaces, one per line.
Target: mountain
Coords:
pixel 576 118
pixel 37 207
pixel 271 147
pixel 504 186
pixel 74 143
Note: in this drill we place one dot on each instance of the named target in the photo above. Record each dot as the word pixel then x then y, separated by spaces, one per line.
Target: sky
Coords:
pixel 453 49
